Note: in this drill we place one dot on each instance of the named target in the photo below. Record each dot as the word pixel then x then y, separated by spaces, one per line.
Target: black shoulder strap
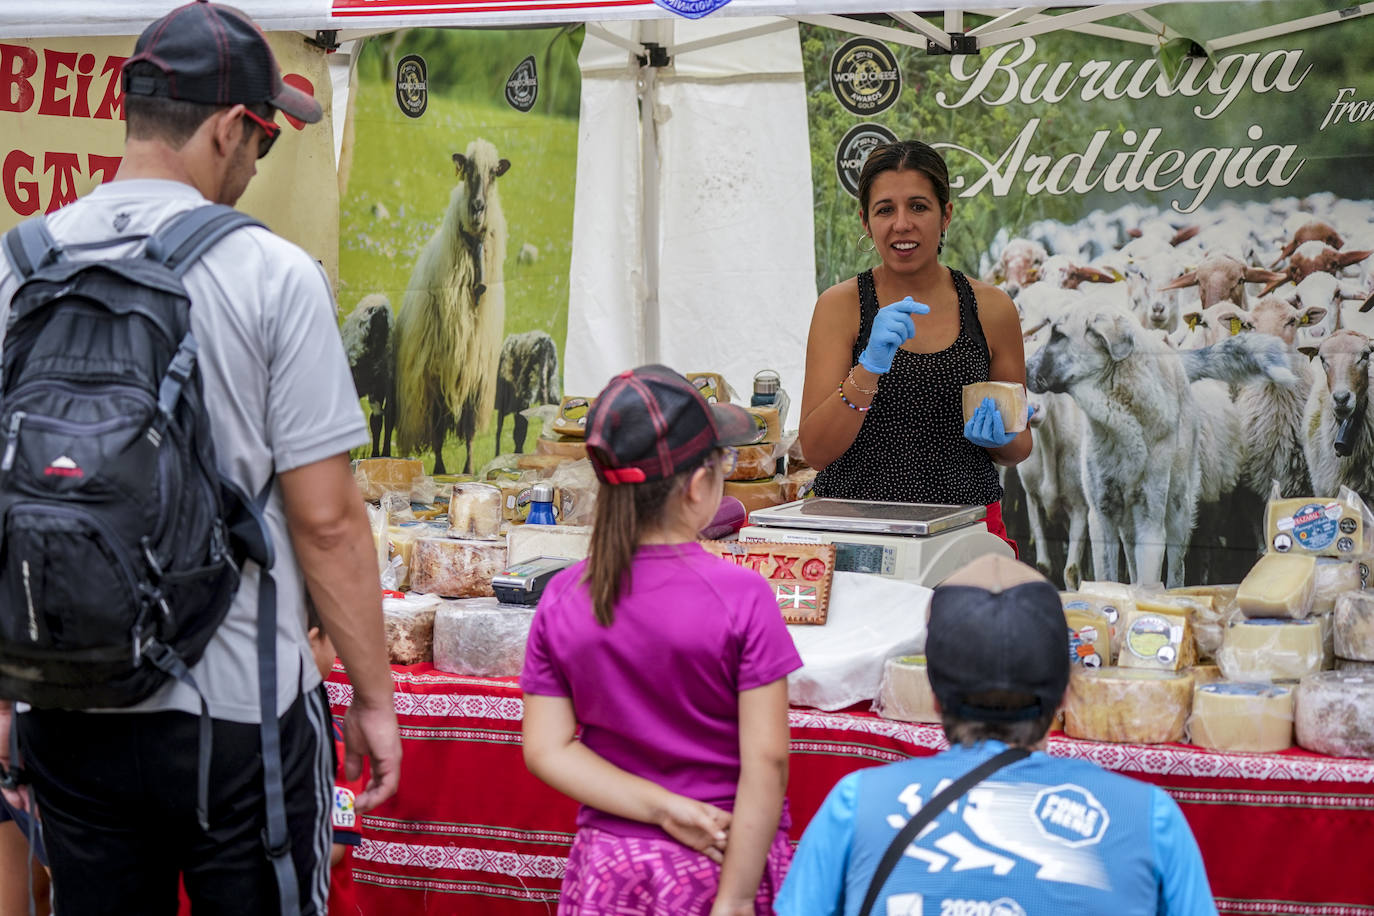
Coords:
pixel 968 311
pixel 187 236
pixel 868 310
pixel 30 245
pixel 942 800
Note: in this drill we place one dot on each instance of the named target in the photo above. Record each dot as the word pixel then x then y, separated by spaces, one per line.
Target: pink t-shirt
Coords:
pixel 657 692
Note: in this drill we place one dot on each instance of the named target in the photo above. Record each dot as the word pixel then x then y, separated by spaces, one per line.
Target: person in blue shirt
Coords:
pixel 1042 835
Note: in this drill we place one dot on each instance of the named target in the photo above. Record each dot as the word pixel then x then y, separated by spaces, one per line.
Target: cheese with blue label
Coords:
pixel 1255 718
pixel 1314 526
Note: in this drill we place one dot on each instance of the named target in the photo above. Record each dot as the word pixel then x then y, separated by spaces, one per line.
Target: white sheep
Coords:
pixel 453 315
pixel 1337 416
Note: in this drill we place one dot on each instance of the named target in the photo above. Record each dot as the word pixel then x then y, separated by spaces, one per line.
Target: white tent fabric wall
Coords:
pixel 49 18
pixel 736 270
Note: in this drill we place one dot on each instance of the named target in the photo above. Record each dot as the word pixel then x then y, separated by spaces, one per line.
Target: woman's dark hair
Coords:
pixel 172 121
pixel 904 154
pixel 623 512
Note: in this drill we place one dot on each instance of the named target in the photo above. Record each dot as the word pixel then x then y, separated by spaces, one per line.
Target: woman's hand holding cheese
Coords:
pixel 892 327
pixel 986 428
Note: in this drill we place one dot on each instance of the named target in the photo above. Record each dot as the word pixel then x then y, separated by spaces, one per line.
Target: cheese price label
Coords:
pixel 799 574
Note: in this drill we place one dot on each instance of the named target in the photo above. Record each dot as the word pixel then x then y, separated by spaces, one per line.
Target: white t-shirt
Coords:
pixel 279 394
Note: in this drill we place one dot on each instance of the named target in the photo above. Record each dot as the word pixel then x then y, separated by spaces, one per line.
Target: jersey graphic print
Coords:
pixel 1012 829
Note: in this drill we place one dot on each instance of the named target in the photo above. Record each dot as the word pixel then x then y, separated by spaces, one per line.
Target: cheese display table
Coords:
pixel 470 831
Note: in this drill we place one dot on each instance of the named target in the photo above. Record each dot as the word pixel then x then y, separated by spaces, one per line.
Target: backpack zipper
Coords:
pixel 12 446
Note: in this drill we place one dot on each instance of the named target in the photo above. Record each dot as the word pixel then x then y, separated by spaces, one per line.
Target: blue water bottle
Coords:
pixel 541 505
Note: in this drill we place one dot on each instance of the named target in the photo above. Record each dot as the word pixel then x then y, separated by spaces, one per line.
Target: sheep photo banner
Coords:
pixel 1177 250
pixel 456 175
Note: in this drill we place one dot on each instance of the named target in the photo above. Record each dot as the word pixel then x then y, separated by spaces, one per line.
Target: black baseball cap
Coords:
pixel 214 54
pixel 997 625
pixel 650 423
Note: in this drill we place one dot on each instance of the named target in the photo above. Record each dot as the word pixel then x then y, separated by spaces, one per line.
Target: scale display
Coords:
pixel 919 519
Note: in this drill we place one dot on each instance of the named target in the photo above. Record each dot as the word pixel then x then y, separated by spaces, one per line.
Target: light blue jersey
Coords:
pixel 1044 835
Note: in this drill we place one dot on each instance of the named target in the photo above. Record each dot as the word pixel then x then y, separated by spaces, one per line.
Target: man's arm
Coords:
pixel 1183 887
pixel 815 881
pixel 330 534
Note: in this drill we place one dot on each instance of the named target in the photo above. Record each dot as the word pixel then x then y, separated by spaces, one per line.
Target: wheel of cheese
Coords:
pixel 904 692
pixel 1128 705
pixel 455 568
pixel 1352 626
pixel 756 494
pixel 754 462
pixel 376 476
pixel 562 446
pixel 481 637
pixel 1269 649
pixel 1334 713
pixel 1230 716
pixel 1331 579
pixel 1278 585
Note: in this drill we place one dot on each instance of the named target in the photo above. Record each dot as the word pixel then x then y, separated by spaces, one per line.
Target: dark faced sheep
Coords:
pixel 367 342
pixel 528 375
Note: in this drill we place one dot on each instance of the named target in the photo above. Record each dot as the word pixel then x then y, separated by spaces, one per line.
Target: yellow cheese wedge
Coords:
pixel 1314 526
pixel 1278 585
pixel 572 416
pixel 768 423
pixel 1010 398
pixel 1156 638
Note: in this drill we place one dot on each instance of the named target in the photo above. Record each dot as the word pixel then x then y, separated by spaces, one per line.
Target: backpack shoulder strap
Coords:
pixel 30 245
pixel 187 236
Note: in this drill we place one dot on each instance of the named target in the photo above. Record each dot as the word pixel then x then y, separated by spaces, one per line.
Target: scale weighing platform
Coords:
pixel 917 542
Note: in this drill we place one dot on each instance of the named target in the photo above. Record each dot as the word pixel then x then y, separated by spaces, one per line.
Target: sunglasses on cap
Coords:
pixel 270 132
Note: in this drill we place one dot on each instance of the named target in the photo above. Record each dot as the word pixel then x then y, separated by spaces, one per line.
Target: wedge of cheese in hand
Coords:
pixel 1010 398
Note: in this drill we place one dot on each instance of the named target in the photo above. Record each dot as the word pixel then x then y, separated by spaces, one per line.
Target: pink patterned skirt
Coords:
pixel 610 875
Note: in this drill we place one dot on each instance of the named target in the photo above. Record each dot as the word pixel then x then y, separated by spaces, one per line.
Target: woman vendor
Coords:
pixel 881 414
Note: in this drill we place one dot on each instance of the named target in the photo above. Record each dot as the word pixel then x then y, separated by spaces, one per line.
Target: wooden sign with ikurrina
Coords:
pixel 799 574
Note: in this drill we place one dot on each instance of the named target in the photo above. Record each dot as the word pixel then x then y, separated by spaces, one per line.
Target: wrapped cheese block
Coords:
pixel 1090 634
pixel 904 692
pixel 1229 716
pixel 1128 705
pixel 1112 599
pixel 1354 664
pixel 456 568
pixel 754 462
pixel 1314 526
pixel 1212 616
pixel 409 624
pixel 525 542
pixel 481 637
pixel 712 386
pixel 1159 638
pixel 1204 674
pixel 1278 585
pixel 571 419
pixel 797 482
pixel 1330 580
pixel 1352 626
pixel 756 494
pixel 768 422
pixel 376 476
pixel 562 446
pixel 1010 398
pixel 1334 713
pixel 474 510
pixel 543 465
pixel 401 540
pixel 1270 649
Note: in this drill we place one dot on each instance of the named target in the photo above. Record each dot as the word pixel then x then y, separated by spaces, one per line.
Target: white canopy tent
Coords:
pixel 692 227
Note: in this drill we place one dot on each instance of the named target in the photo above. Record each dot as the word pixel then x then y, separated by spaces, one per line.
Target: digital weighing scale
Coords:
pixel 918 542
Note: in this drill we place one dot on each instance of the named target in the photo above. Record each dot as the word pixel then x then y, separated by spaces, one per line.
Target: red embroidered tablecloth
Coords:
pixel 471 832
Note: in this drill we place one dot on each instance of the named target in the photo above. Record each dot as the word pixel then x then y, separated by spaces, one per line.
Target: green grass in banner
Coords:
pixel 399 186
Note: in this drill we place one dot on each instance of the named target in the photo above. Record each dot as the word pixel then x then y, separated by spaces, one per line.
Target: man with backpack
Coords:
pixel 994 825
pixel 177 413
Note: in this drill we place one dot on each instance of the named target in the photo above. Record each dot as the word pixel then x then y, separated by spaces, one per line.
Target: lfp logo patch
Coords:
pixel 345 815
pixel 1070 815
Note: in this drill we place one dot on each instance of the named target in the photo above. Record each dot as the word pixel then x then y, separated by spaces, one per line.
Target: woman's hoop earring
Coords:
pixel 940 248
pixel 872 245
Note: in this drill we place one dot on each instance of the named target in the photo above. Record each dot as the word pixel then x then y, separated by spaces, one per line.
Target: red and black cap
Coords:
pixel 215 55
pixel 651 423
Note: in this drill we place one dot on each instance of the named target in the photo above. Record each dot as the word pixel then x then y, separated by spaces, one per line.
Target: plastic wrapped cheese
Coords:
pixel 481 637
pixel 1010 398
pixel 756 494
pixel 1330 580
pixel 1128 705
pixel 1354 664
pixel 1111 598
pixel 1230 716
pixel 1212 616
pixel 1156 638
pixel 409 625
pixel 1315 526
pixel 1334 713
pixel 797 483
pixel 768 422
pixel 525 542
pixel 1090 635
pixel 1352 626
pixel 572 416
pixel 712 386
pixel 474 510
pixel 456 568
pixel 562 446
pixel 401 540
pixel 376 476
pixel 1204 674
pixel 1278 585
pixel 753 462
pixel 1270 649
pixel 904 692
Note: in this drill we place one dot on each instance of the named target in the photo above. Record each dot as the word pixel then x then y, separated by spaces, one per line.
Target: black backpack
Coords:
pixel 117 561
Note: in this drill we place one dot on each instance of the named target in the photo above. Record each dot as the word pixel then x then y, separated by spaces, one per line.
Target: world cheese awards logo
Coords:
pixel 853 151
pixel 523 86
pixel 864 76
pixel 412 85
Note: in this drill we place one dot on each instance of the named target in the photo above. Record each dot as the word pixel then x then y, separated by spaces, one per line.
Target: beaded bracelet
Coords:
pixel 847 402
pixel 857 387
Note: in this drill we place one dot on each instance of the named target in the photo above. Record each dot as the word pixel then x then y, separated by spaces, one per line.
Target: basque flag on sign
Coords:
pixel 796 597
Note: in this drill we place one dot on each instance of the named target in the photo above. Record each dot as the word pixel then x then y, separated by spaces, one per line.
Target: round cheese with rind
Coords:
pixel 1334 713
pixel 1352 624
pixel 1128 705
pixel 1270 649
pixel 904 692
pixel 1230 716
pixel 753 462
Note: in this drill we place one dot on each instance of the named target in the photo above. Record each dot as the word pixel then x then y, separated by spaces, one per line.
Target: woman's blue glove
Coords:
pixel 986 428
pixel 892 326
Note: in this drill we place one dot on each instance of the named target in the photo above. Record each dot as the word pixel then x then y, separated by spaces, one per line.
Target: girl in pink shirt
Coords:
pixel 674 664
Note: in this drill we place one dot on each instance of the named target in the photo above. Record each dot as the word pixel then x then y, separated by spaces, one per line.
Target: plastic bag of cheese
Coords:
pixel 1256 718
pixel 1128 705
pixel 409 627
pixel 1214 611
pixel 1112 599
pixel 1271 649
